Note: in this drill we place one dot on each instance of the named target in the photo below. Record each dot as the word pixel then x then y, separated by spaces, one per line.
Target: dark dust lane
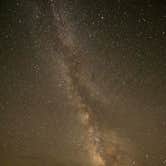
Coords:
pixel 82 83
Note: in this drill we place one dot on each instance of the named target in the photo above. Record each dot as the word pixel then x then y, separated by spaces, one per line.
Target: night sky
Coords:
pixel 83 83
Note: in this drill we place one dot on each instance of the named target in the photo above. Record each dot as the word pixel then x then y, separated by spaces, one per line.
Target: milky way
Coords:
pixel 73 78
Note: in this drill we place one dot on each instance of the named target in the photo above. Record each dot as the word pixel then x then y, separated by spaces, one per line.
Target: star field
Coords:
pixel 82 83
